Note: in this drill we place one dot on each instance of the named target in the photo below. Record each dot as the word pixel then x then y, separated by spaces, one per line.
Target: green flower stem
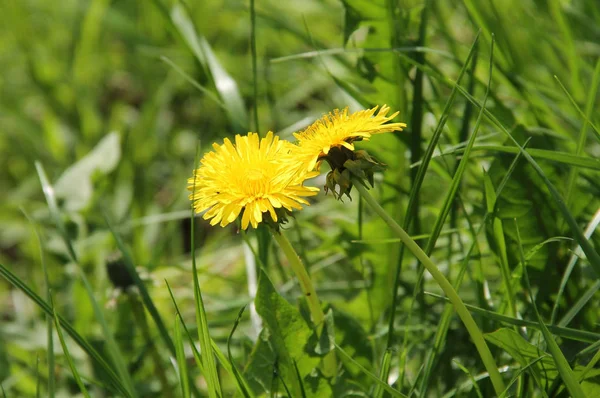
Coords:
pixel 459 306
pixel 314 306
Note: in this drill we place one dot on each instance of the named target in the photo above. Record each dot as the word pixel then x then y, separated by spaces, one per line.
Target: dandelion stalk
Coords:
pixel 314 306
pixel 459 306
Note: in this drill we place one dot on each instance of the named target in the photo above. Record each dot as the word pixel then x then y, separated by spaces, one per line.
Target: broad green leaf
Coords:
pixel 286 335
pixel 75 185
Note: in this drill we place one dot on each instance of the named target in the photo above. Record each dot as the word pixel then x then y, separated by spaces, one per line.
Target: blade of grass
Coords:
pixel 471 377
pixel 65 349
pixel 194 83
pixel 144 294
pixel 112 347
pixel 568 159
pixel 583 132
pixel 416 119
pixel 586 246
pixel 447 207
pixel 595 359
pixel 37 376
pixel 472 328
pixel 595 129
pixel 85 346
pixel 583 300
pixel 198 358
pixel 197 355
pixel 254 64
pixel 49 319
pixel 567 333
pixel 417 186
pixel 565 371
pixel 363 268
pixel 518 375
pixel 140 319
pixel 302 390
pixel 346 357
pixel 178 16
pixel 384 373
pixel 500 242
pixel 572 53
pixel 181 360
pixel 574 310
pixel 208 360
pixel 245 392
pixel 589 349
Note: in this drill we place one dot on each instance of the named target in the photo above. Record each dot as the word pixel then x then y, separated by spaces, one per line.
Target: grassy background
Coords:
pixel 113 98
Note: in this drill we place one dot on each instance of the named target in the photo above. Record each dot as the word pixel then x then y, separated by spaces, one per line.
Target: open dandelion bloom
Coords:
pixel 256 176
pixel 340 129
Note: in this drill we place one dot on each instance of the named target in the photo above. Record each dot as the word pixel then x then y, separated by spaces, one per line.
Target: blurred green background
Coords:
pixel 113 99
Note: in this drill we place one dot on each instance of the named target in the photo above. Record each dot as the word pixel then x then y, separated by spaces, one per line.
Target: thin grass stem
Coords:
pixel 314 306
pixel 459 306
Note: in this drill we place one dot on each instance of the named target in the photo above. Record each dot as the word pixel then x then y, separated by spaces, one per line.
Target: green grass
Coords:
pixel 109 288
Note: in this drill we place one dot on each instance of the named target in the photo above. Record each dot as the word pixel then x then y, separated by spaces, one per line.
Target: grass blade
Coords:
pixel 565 371
pixel 220 356
pixel 416 118
pixel 254 64
pixel 85 346
pixel 238 376
pixel 384 373
pixel 563 283
pixel 585 244
pixel 567 333
pixel 565 158
pixel 181 361
pixel 145 295
pixel 447 207
pixel 72 366
pixel 583 132
pixel 112 347
pixel 197 355
pixel 346 357
pixel 416 186
pixel 583 115
pixel 208 360
pixel 49 319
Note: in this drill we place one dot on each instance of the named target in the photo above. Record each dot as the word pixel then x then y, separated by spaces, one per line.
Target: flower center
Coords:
pixel 255 174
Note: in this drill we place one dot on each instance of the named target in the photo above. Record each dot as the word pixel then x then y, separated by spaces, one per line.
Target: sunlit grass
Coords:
pixel 105 105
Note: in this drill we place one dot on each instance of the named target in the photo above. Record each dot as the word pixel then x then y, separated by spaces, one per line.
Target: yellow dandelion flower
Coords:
pixel 340 129
pixel 255 176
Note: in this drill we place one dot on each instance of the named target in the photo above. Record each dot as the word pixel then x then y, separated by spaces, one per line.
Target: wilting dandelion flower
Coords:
pixel 332 138
pixel 339 129
pixel 254 176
